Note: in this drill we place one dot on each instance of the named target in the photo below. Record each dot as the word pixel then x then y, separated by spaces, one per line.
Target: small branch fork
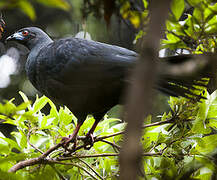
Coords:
pixel 45 159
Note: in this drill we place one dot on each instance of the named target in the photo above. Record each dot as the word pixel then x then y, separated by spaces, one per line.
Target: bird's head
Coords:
pixel 30 37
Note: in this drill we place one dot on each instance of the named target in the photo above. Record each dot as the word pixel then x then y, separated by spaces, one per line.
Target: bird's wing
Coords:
pixel 82 62
pixel 90 66
pixel 77 71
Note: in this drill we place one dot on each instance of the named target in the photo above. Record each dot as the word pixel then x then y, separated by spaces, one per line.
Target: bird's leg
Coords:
pixel 89 140
pixel 73 137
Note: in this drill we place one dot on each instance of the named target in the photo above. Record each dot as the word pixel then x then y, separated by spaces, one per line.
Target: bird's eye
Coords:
pixel 25 33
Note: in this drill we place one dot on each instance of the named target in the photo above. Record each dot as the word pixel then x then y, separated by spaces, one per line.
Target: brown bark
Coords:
pixel 140 94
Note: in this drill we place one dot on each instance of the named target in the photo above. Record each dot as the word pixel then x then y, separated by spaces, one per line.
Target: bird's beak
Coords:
pixel 15 37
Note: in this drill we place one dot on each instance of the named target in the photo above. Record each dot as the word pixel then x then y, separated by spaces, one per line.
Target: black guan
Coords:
pixel 88 77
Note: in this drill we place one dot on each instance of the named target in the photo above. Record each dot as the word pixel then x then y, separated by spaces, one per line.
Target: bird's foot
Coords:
pixel 88 141
pixel 67 140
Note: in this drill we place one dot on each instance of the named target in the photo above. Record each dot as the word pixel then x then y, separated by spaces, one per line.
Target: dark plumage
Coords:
pixel 87 76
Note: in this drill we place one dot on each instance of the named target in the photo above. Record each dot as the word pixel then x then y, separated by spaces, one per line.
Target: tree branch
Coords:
pixel 42 159
pixel 39 160
pixel 91 168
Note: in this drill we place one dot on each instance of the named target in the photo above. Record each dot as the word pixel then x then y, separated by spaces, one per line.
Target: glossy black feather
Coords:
pixel 87 76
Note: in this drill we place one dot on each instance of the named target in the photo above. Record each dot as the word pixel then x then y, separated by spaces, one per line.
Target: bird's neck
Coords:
pixel 37 46
pixel 32 58
pixel 39 43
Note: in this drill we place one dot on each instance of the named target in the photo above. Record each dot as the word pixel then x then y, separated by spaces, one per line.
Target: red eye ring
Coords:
pixel 25 33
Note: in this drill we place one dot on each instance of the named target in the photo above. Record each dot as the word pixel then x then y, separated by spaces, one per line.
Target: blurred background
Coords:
pixel 100 20
pixel 61 21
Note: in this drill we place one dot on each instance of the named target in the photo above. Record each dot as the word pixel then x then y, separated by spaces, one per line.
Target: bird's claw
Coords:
pixel 67 140
pixel 88 141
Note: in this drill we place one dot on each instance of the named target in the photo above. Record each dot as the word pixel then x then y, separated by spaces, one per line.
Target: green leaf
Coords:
pixel 20 138
pixel 198 14
pixel 62 4
pixel 4 149
pixel 43 123
pixel 212 113
pixel 25 99
pixel 145 3
pixel 22 106
pixel 195 2
pixel 27 8
pixel 207 145
pixel 177 8
pixel 40 103
pixel 65 116
pixel 53 112
pixel 199 125
pixel 208 14
pixel 6 118
pixel 12 144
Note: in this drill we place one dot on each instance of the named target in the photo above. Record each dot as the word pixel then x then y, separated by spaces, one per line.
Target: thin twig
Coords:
pixel 87 156
pixel 102 137
pixel 58 172
pixel 28 141
pixel 102 155
pixel 45 154
pixel 96 139
pixel 91 168
pixel 72 164
pixel 112 144
pixel 159 123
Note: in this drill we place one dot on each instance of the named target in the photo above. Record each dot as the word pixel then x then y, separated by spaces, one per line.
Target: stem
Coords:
pixel 73 164
pixel 91 168
pixel 42 159
pixel 112 144
pixel 28 141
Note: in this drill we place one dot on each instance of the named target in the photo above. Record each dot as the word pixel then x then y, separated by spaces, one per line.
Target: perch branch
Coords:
pixel 42 159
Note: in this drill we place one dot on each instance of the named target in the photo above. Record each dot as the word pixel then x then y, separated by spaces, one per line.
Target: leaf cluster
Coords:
pixel 37 132
pixel 27 6
pixel 187 144
pixel 182 144
pixel 196 33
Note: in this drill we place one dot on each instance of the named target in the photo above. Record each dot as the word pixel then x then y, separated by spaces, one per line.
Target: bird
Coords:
pixel 87 76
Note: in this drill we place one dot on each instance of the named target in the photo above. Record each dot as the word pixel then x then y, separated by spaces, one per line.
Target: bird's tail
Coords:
pixel 187 75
